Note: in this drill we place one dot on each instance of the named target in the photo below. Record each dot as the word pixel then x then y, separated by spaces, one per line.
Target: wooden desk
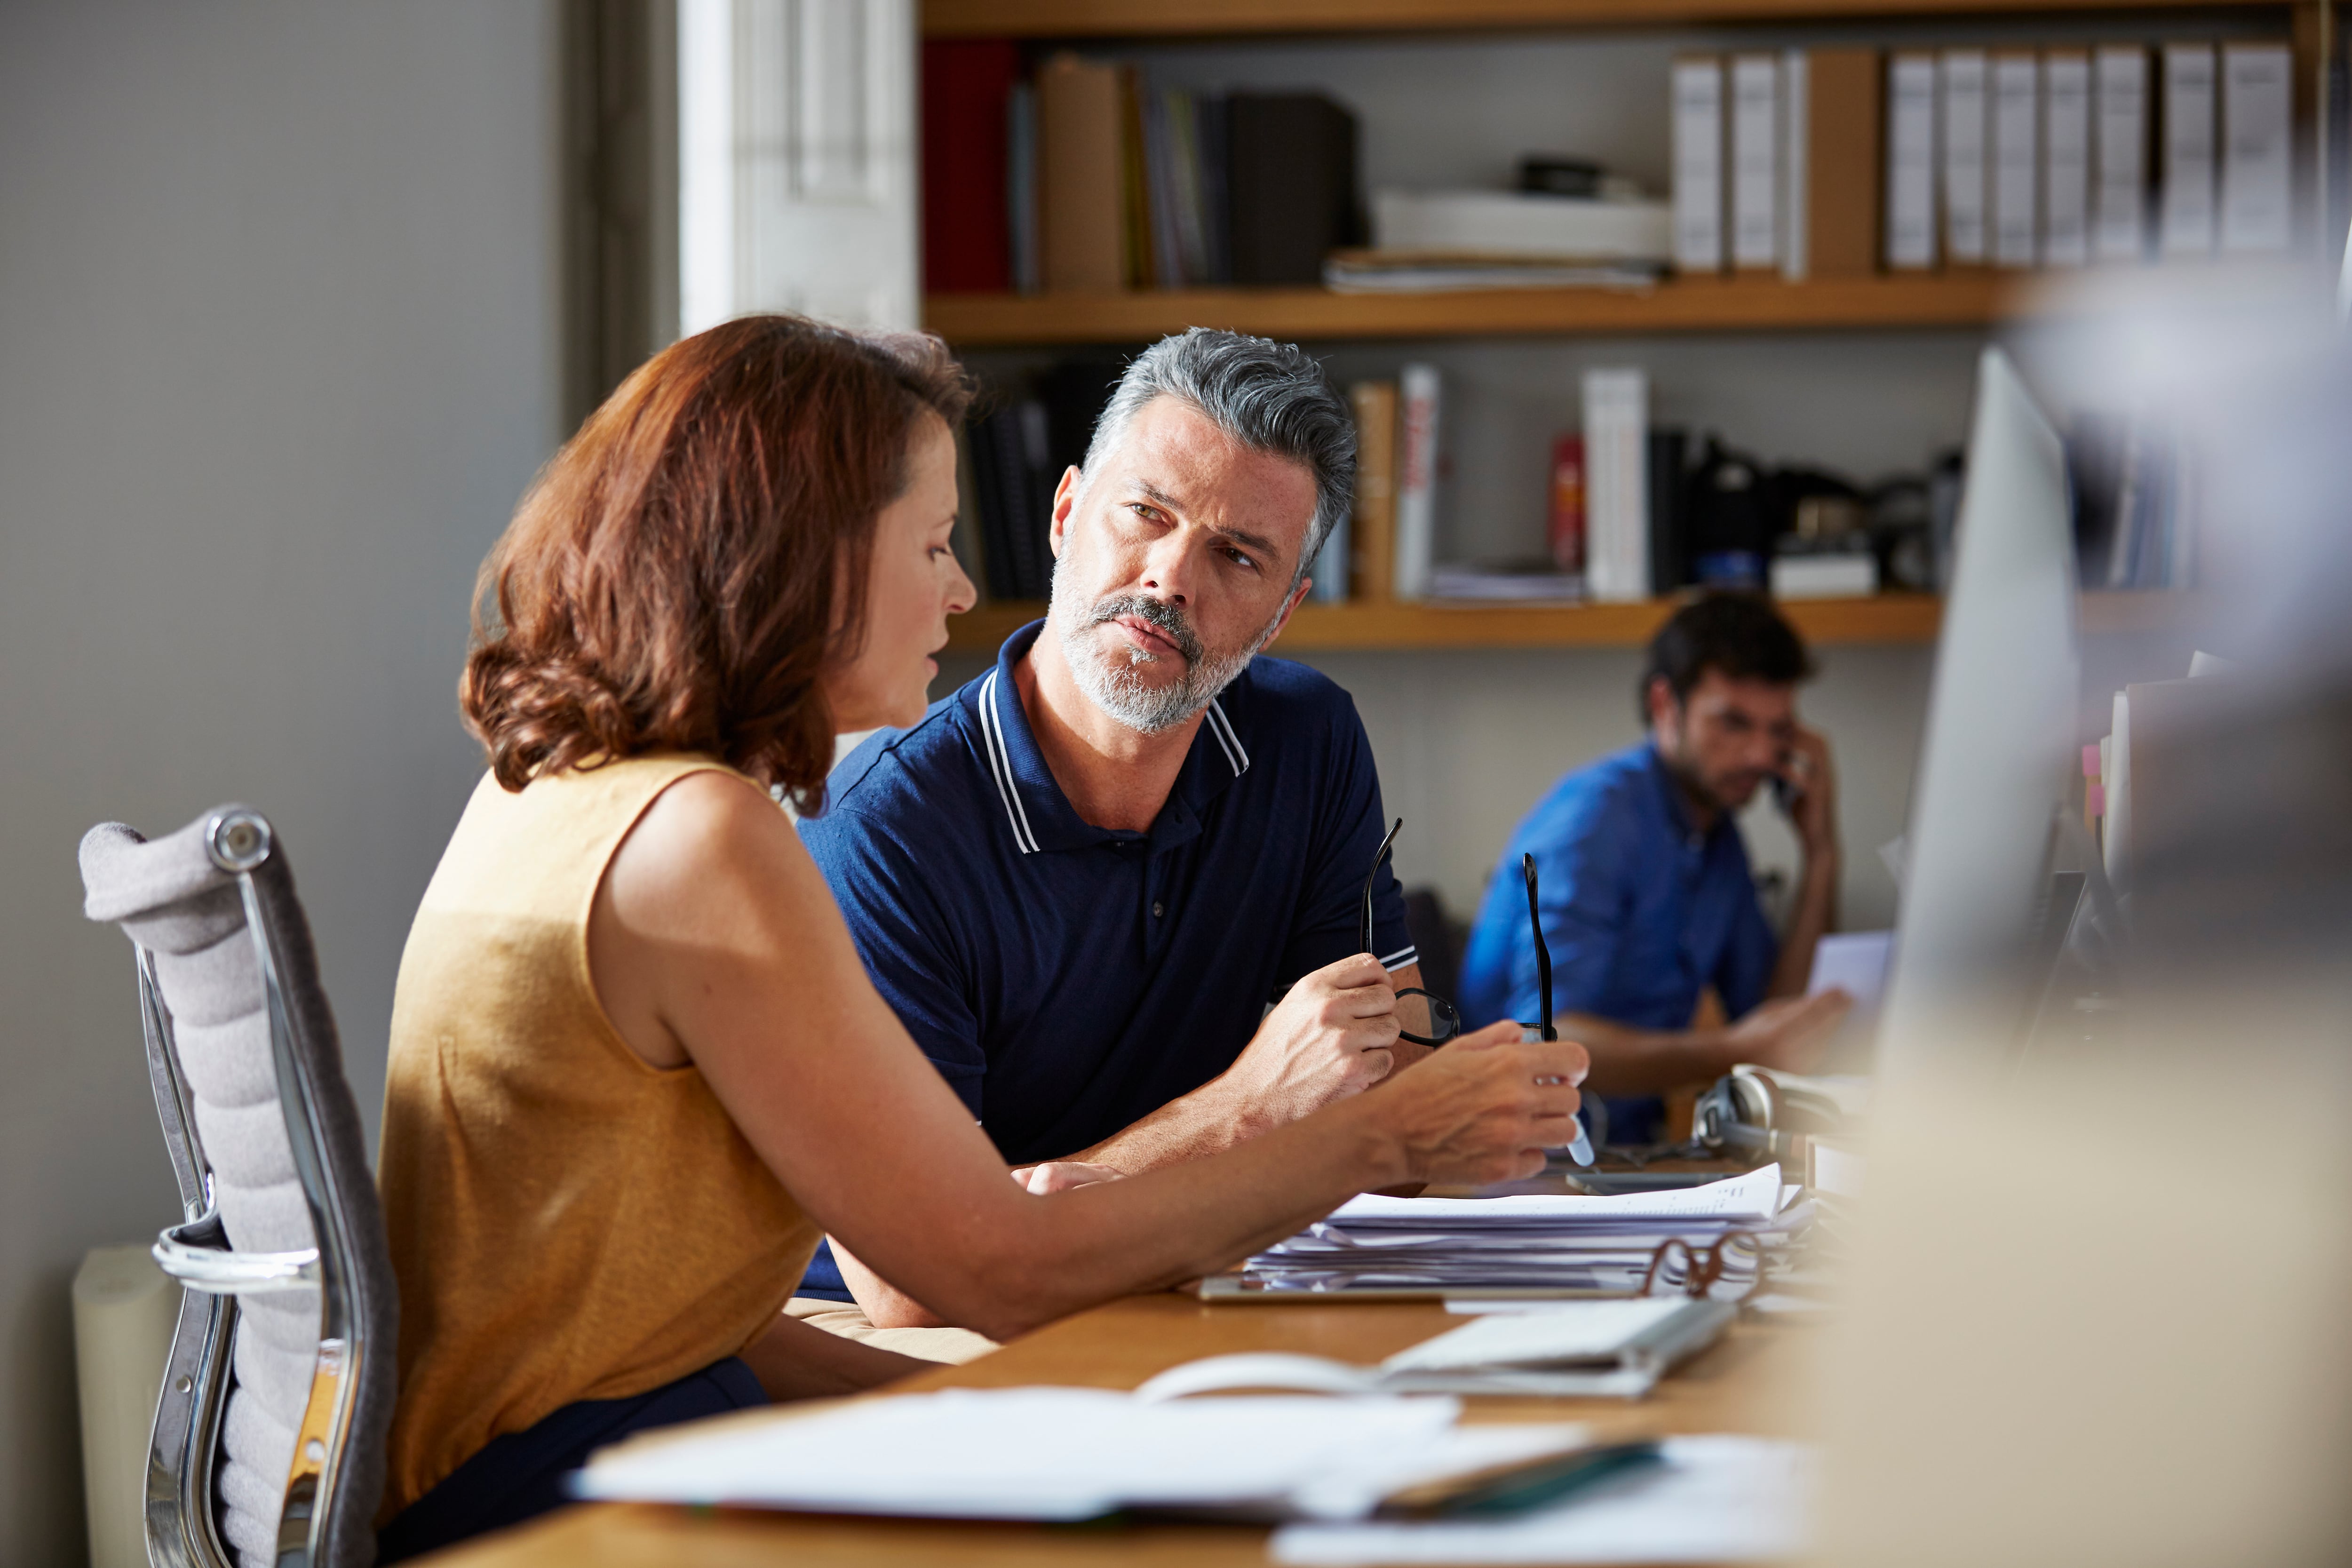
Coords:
pixel 1735 1386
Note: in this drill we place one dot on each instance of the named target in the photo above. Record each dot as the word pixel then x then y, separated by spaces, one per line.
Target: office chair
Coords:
pixel 269 1440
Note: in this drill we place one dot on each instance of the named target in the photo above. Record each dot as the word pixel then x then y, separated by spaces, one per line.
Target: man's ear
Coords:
pixel 1666 710
pixel 1065 499
pixel 1296 596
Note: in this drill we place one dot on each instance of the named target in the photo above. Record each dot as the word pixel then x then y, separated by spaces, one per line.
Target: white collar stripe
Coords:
pixel 1234 752
pixel 1402 957
pixel 999 766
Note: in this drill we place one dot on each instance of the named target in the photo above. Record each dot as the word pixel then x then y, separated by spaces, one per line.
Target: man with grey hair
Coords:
pixel 1082 879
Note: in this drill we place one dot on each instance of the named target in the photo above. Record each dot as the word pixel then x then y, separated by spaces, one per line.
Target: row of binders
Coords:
pixel 1844 162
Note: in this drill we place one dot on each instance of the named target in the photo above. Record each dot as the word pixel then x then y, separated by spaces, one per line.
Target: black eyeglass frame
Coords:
pixel 1439 1010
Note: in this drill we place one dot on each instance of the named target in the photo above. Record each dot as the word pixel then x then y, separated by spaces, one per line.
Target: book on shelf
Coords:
pixel 970 549
pixel 1829 163
pixel 1420 432
pixel 2065 158
pixel 1516 225
pixel 1617 546
pixel 1333 566
pixel 1372 531
pixel 1081 177
pixel 1755 163
pixel 1965 126
pixel 967 208
pixel 1696 94
pixel 1021 197
pixel 1910 228
pixel 1291 184
pixel 1418 273
pixel 2119 186
pixel 2016 157
pixel 1668 480
pixel 1506 581
pixel 2185 210
pixel 2257 148
pixel 1564 527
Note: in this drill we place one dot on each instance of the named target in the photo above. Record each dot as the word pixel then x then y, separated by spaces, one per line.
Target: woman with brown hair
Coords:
pixel 636 1065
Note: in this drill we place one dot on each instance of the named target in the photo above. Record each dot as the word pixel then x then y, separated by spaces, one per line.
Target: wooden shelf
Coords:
pixel 1330 628
pixel 1764 304
pixel 1358 628
pixel 1198 18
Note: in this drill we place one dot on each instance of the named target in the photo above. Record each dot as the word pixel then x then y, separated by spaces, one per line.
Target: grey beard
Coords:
pixel 1109 677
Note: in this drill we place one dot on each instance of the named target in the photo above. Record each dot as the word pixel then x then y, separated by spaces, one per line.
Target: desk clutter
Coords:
pixel 1363 1480
pixel 1713 1237
pixel 1356 1464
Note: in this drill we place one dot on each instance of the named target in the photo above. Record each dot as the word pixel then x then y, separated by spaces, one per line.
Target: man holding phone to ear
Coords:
pixel 1646 896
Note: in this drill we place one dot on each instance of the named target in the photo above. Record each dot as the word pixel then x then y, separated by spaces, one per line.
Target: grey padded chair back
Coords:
pixel 269 1436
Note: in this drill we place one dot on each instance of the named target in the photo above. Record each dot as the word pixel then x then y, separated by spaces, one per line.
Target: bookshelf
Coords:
pixel 1730 304
pixel 1213 18
pixel 1887 619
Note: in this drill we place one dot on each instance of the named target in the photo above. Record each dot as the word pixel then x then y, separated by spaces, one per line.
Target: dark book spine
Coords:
pixel 1669 539
pixel 967 228
pixel 1038 474
pixel 988 495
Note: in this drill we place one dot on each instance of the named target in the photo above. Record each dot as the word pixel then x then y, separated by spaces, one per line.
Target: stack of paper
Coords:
pixel 1601 1245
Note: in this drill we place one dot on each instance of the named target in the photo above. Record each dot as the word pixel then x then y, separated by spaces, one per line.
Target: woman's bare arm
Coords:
pixel 715 941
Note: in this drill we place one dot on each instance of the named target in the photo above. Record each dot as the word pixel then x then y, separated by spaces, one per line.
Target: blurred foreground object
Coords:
pixel 2120 1339
pixel 124 1309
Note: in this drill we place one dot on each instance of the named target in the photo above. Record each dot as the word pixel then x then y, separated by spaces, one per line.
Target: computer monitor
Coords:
pixel 1996 761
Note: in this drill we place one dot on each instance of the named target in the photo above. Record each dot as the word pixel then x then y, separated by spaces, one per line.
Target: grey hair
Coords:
pixel 1271 397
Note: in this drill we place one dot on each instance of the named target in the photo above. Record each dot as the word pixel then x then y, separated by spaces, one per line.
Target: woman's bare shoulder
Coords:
pixel 710 840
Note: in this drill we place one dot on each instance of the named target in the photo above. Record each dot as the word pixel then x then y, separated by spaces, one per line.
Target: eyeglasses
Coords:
pixel 1544 1027
pixel 1736 1260
pixel 1422 1016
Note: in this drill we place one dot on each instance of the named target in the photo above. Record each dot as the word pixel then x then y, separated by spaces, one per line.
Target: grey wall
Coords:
pixel 277 353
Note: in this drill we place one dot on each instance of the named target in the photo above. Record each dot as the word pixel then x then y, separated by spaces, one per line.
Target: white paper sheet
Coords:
pixel 1045 1453
pixel 1715 1499
pixel 1754 1196
pixel 1856 961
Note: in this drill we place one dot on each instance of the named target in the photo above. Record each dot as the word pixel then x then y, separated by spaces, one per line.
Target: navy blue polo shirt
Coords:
pixel 1641 911
pixel 1069 980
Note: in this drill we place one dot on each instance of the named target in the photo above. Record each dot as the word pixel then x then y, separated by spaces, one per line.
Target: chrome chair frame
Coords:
pixel 183 1527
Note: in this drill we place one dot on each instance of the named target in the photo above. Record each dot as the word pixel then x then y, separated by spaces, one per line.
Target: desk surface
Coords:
pixel 1739 1385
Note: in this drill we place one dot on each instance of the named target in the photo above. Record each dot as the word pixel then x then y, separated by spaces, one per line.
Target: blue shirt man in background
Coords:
pixel 1643 883
pixel 1082 879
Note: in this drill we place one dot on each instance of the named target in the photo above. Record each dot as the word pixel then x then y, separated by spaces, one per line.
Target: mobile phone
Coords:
pixel 1785 793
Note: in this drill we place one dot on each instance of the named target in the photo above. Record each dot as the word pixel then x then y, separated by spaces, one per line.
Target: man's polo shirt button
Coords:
pixel 1157 909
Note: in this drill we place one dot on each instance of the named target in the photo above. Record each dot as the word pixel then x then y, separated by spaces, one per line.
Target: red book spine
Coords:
pixel 1567 531
pixel 966 230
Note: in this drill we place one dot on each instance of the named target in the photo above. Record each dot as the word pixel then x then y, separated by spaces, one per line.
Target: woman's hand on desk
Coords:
pixel 1486 1108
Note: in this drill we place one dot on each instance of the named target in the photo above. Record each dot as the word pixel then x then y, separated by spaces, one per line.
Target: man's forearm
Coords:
pixel 1209 1120
pixel 1816 914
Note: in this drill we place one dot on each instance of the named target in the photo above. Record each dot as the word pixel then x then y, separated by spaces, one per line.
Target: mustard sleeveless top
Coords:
pixel 567 1222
